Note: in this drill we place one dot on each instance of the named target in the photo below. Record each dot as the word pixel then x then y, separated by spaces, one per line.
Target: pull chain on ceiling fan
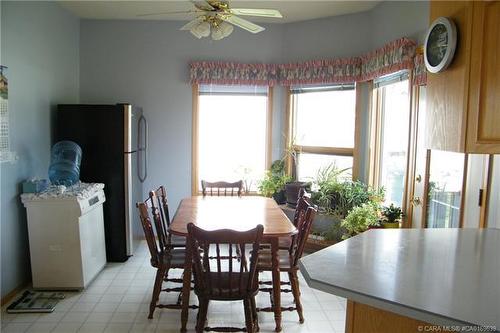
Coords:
pixel 217 18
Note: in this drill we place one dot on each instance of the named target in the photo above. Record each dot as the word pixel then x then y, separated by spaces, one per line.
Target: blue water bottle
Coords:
pixel 65 163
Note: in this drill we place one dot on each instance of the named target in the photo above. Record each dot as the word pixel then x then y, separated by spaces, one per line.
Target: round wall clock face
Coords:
pixel 440 45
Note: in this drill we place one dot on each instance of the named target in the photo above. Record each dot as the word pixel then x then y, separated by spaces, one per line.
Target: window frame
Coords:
pixel 376 132
pixel 195 181
pixel 290 128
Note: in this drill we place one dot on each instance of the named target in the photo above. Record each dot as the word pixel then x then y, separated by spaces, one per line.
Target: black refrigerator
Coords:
pixel 113 139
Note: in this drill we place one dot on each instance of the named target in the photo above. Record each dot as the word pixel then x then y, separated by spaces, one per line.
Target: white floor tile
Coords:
pixel 118 301
pixel 118 328
pixel 67 327
pixel 41 327
pixel 92 328
pixel 99 317
pixel 16 327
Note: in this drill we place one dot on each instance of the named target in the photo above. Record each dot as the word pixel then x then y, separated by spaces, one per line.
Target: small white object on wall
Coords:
pixel 5 154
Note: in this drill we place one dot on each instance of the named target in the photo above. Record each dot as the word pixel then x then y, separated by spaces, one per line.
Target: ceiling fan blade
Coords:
pixel 244 24
pixel 256 12
pixel 203 5
pixel 192 23
pixel 175 12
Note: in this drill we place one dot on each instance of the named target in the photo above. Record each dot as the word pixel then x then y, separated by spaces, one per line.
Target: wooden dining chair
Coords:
pixel 163 257
pixel 225 279
pixel 289 258
pixel 159 204
pixel 222 188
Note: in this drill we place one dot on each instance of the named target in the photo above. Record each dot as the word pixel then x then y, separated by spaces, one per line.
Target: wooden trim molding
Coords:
pixel 9 296
pixel 194 144
pixel 464 191
pixel 410 154
pixel 356 154
pixel 195 181
pixel 425 199
pixel 362 318
pixel 269 128
pixel 288 130
pixel 486 188
pixel 325 150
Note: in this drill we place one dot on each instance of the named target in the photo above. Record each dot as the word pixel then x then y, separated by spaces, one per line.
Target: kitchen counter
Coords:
pixel 437 276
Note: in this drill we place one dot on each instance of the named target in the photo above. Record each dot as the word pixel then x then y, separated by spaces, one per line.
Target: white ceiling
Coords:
pixel 292 11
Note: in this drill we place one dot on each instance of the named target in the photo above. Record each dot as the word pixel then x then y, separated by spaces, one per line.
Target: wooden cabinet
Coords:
pixel 464 100
pixel 483 133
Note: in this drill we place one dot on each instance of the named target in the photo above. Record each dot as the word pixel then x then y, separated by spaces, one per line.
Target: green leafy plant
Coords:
pixel 274 180
pixel 327 183
pixel 353 194
pixel 338 196
pixel 392 213
pixel 359 219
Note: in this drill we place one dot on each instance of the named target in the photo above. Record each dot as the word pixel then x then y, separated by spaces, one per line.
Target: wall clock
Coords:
pixel 440 44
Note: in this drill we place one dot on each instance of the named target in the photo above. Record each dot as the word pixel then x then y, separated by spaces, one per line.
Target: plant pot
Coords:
pixel 390 225
pixel 292 192
pixel 280 197
pixel 376 227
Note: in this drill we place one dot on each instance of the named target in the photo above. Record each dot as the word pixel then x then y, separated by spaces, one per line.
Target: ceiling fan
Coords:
pixel 217 18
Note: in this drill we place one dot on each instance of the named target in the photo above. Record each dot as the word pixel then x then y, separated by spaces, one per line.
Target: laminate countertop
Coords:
pixel 440 276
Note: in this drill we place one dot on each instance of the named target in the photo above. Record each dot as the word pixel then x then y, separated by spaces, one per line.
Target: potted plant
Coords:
pixel 293 187
pixel 360 219
pixel 391 216
pixel 273 183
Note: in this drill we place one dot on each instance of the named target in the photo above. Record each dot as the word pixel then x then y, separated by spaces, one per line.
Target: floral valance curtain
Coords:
pixel 419 71
pixel 394 56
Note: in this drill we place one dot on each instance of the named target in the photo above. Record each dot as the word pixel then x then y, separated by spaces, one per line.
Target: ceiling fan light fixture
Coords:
pixel 226 28
pixel 221 30
pixel 201 30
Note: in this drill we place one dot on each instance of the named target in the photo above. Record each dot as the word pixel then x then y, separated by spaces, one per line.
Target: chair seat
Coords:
pixel 177 258
pixel 225 287
pixel 177 241
pixel 265 260
pixel 284 243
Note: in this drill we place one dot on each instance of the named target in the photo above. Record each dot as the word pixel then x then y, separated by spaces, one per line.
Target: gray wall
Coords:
pixel 40 46
pixel 52 59
pixel 146 63
pixel 394 19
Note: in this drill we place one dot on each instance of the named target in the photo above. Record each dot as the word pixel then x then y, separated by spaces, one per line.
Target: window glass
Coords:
pixel 310 164
pixel 446 175
pixel 494 199
pixel 394 140
pixel 232 137
pixel 326 118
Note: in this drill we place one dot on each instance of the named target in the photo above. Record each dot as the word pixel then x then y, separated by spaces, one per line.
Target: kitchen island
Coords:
pixel 413 280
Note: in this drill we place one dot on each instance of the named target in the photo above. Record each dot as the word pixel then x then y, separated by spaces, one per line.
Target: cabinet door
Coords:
pixel 483 134
pixel 447 91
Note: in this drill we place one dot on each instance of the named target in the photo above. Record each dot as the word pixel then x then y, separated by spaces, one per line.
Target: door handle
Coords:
pixel 416 201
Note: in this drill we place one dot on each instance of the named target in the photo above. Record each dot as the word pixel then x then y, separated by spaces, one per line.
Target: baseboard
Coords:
pixel 7 298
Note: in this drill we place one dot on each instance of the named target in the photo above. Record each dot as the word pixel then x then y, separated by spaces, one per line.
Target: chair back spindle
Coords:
pixel 222 188
pixel 218 275
pixel 155 250
pixel 304 224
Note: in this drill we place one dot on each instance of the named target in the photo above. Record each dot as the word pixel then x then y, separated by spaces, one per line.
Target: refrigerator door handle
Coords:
pixel 143 150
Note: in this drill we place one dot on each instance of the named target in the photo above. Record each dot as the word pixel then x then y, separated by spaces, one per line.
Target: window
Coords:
pixel 323 128
pixel 390 128
pixel 446 175
pixel 232 137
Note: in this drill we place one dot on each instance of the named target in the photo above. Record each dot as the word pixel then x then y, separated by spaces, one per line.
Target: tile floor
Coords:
pixel 118 301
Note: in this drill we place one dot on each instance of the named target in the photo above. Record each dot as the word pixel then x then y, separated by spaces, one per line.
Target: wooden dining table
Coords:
pixel 237 213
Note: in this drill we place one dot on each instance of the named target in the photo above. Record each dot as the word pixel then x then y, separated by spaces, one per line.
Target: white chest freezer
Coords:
pixel 66 236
